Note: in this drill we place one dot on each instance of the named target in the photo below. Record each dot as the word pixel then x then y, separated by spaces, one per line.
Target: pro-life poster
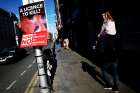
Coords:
pixel 33 25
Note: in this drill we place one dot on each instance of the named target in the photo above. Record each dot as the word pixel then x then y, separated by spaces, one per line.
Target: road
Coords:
pixel 15 77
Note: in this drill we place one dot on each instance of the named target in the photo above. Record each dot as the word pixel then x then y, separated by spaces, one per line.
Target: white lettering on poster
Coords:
pixel 31 10
pixel 27 40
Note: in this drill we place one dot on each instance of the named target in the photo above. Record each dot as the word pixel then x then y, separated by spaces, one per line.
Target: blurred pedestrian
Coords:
pixel 49 60
pixel 66 43
pixel 106 39
pixel 58 44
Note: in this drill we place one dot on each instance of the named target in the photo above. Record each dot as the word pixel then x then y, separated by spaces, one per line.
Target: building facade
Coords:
pixel 7 29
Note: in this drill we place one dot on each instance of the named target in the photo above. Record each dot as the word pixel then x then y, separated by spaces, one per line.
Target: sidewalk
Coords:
pixel 76 74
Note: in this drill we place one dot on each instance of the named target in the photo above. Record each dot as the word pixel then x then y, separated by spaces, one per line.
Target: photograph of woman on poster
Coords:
pixel 39 23
pixel 26 25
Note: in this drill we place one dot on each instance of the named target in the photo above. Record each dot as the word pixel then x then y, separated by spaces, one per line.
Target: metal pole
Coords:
pixel 41 72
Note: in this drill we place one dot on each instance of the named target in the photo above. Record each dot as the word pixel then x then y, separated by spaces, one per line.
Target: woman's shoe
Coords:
pixel 107 87
pixel 115 89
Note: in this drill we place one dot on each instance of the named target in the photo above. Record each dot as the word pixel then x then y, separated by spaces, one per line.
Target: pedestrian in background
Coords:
pixel 106 39
pixel 58 44
pixel 66 43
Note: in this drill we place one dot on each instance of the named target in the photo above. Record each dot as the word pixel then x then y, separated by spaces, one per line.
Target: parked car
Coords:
pixel 9 54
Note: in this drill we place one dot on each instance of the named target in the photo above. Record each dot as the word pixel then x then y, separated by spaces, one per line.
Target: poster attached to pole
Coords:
pixel 33 25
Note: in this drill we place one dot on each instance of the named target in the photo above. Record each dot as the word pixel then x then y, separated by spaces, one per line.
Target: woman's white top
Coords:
pixel 109 27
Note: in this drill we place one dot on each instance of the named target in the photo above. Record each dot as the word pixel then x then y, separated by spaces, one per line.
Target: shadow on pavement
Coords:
pixel 93 72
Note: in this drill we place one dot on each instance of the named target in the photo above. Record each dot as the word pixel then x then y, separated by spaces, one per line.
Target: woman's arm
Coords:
pixel 102 30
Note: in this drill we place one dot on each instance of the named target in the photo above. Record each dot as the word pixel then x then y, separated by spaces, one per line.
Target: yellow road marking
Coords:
pixel 32 83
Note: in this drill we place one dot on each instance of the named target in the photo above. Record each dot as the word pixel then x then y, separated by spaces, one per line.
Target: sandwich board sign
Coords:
pixel 33 25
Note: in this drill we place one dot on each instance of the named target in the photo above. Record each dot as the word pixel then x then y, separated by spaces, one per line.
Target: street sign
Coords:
pixel 33 25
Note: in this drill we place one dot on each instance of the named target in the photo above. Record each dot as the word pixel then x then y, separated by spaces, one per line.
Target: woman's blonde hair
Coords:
pixel 108 15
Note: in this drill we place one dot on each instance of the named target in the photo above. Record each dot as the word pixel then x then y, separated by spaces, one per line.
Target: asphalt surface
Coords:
pixel 15 76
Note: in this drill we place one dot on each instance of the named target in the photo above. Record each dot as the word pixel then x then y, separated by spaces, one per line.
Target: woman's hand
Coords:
pixel 98 35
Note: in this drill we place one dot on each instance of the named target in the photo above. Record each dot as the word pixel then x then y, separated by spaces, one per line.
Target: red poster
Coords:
pixel 33 25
